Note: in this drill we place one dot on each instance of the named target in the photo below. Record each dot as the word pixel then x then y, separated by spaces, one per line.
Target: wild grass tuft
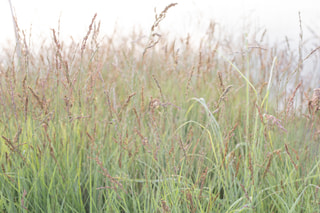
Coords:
pixel 104 125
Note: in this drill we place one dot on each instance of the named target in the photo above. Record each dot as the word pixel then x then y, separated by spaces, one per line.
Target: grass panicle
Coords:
pixel 216 126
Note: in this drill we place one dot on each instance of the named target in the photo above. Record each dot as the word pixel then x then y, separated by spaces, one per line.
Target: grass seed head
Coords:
pixel 314 103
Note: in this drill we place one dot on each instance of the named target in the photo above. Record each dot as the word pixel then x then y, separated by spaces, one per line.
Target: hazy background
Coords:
pixel 279 17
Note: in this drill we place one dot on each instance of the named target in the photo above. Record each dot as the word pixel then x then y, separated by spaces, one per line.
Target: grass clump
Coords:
pixel 118 126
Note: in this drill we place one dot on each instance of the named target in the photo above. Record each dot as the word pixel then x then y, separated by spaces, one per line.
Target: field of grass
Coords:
pixel 123 124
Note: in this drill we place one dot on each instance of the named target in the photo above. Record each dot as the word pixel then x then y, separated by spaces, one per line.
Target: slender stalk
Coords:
pixel 15 28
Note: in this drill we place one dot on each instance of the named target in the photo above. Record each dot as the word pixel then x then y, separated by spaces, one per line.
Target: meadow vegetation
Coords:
pixel 145 124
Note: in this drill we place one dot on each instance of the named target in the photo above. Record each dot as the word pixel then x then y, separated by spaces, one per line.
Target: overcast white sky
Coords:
pixel 280 17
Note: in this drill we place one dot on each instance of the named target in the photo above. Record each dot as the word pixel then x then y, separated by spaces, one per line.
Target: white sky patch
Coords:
pixel 279 17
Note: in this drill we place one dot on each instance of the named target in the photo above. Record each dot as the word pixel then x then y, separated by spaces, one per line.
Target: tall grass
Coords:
pixel 127 125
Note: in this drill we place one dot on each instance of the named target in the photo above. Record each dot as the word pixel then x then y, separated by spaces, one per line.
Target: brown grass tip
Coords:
pixel 314 103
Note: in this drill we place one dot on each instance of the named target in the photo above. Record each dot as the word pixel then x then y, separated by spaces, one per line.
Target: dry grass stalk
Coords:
pixel 16 32
pixel 191 206
pixel 171 151
pixel 223 95
pixel 25 91
pixel 246 193
pixel 155 37
pixel 137 117
pixel 287 150
pixel 84 41
pixel 290 102
pixel 238 165
pixel 110 107
pixel 202 181
pixel 212 200
pixel 314 103
pixel 311 53
pixel 12 88
pixel 144 141
pixel 175 55
pixel 58 52
pixel 67 74
pixel 59 60
pixel 26 107
pixel 251 167
pixel 42 105
pixel 221 81
pixel 199 62
pixel 164 206
pixel 69 103
pixel 278 152
pixel 9 143
pixel 14 145
pixel 275 121
pixel 17 136
pixel 2 101
pixel 25 53
pixel 189 81
pixel 154 104
pixel 270 157
pixel 208 67
pixel 300 65
pixel 95 34
pixel 5 174
pixel 22 199
pixel 124 106
pixel 90 137
pixel 116 184
pixel 184 148
pixel 262 86
pixel 158 85
pixel 142 100
pixel 152 42
pixel 161 16
pixel 227 140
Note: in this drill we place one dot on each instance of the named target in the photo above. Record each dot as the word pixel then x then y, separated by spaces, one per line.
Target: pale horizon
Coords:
pixel 279 18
